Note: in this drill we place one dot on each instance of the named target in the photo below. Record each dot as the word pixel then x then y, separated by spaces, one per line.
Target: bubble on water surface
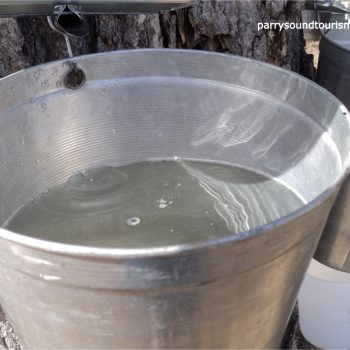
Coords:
pixel 133 221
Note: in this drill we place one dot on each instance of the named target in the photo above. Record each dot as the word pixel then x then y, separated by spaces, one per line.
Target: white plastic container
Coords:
pixel 324 307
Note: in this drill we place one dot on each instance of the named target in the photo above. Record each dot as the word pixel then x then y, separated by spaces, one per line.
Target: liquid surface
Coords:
pixel 151 204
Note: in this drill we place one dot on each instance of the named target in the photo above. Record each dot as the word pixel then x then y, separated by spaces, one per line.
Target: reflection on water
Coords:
pixel 154 203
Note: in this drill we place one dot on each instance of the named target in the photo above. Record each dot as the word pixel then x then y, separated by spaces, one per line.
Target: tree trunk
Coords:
pixel 224 26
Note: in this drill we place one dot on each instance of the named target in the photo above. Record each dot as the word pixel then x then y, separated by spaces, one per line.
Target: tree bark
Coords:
pixel 224 26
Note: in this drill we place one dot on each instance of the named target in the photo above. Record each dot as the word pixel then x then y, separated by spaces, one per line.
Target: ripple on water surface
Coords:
pixel 154 204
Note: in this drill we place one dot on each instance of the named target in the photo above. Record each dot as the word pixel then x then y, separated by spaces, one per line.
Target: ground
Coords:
pixel 8 340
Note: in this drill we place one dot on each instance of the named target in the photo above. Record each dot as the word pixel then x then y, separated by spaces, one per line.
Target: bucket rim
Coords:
pixel 185 248
pixel 334 42
pixel 183 52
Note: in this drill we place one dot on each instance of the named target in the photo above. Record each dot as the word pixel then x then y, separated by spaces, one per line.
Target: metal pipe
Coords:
pixel 47 7
pixel 335 6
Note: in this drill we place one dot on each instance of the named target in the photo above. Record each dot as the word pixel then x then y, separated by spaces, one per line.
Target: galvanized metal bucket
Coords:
pixel 233 292
pixel 334 64
pixel 334 75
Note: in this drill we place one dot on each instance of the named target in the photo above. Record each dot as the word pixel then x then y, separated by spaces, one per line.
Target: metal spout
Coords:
pixel 68 21
pixel 334 6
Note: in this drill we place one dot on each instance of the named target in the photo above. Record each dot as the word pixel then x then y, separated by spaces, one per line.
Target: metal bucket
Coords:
pixel 334 65
pixel 234 292
pixel 334 75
